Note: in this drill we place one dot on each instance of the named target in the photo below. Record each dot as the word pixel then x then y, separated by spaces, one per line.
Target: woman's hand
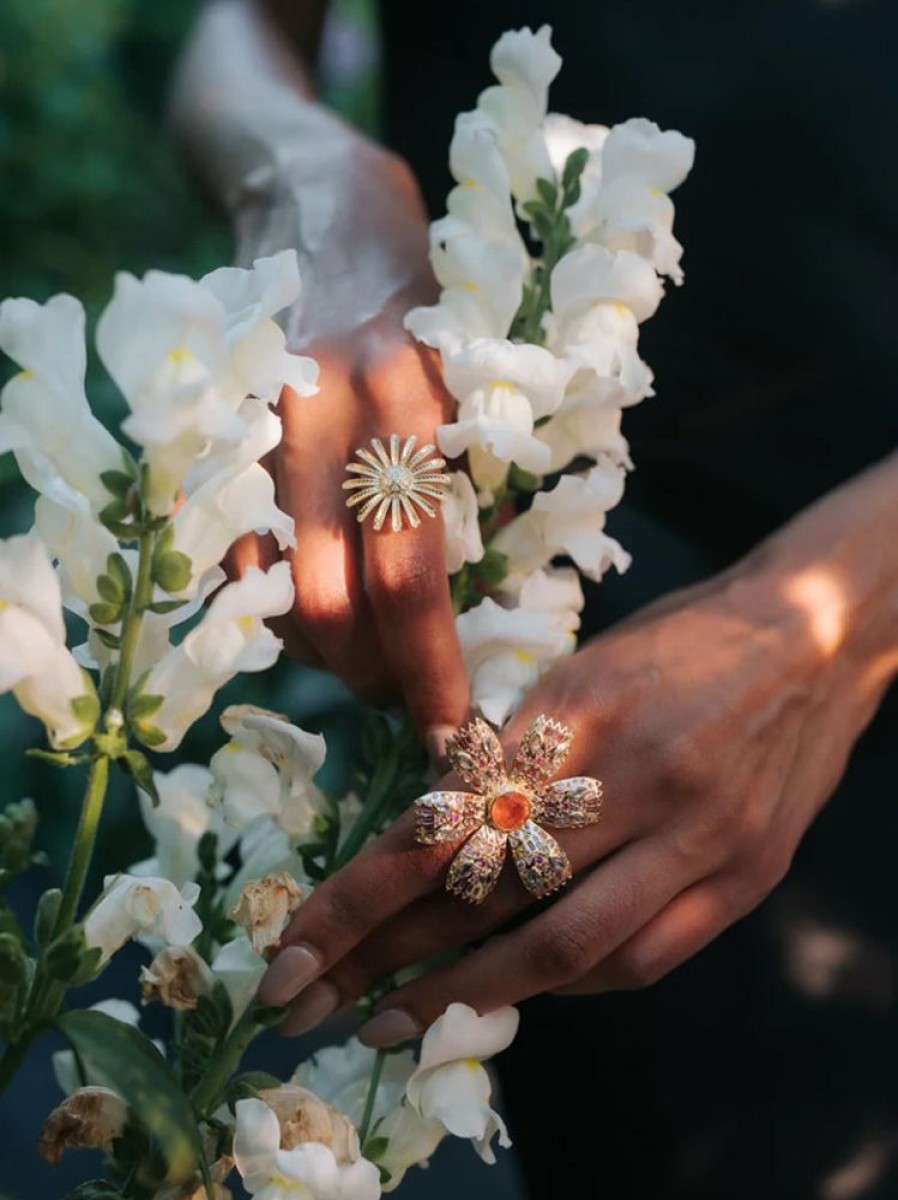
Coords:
pixel 372 607
pixel 720 720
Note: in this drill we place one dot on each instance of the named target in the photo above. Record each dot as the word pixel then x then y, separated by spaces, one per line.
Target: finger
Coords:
pixel 408 583
pixel 251 550
pixel 385 879
pixel 554 948
pixel 331 609
pixel 685 927
pixel 439 923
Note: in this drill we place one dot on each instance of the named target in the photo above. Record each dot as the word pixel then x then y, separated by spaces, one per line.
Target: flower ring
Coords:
pixel 508 807
pixel 396 482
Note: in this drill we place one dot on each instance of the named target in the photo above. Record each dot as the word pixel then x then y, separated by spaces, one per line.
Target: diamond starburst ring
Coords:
pixel 509 807
pixel 396 481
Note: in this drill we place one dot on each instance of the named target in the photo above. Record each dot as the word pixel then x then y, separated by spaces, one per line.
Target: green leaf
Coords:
pixel 13 963
pixel 63 958
pixel 105 613
pixel 573 169
pixel 114 513
pixel 493 567
pixel 165 606
pixel 46 914
pixel 523 481
pixel 138 766
pixel 110 590
pixel 59 758
pixel 149 735
pixel 172 571
pixel 248 1085
pixel 88 968
pixel 143 706
pixel 117 483
pixel 121 1058
pixel 374 1148
pixel 118 569
pixel 108 638
pixel 87 707
pixel 547 192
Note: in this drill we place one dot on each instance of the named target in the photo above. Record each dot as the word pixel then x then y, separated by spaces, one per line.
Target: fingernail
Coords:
pixel 435 743
pixel 389 1028
pixel 317 1002
pixel 293 969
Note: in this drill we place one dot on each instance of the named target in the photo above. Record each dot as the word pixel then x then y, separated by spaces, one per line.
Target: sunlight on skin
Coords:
pixel 867 1165
pixel 822 598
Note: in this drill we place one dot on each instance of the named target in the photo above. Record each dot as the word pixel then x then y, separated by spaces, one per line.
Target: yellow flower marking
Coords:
pixel 469 183
pixel 502 385
pixel 525 657
pixel 179 356
pixel 25 375
pixel 246 623
pixel 469 286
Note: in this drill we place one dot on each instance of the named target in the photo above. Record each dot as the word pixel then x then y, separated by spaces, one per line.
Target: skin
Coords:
pixel 720 719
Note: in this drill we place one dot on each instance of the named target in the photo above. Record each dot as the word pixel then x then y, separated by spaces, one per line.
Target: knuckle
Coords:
pixel 633 973
pixel 320 611
pixel 563 954
pixel 406 581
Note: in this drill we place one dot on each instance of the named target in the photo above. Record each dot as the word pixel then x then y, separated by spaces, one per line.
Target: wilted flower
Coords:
pixel 308 1171
pixel 304 1117
pixel 90 1118
pixel 177 977
pixel 264 906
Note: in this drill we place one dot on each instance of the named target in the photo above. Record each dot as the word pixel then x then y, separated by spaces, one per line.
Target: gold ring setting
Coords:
pixel 509 807
pixel 398 481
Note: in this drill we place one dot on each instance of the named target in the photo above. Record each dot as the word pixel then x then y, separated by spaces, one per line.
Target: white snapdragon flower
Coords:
pixel 240 970
pixel 267 769
pixel 79 543
pixel 591 276
pixel 525 64
pixel 505 651
pixel 308 1171
pixel 132 905
pixel 341 1075
pixel 556 591
pixel 35 664
pixel 503 388
pixel 215 516
pixel 482 284
pixel 563 136
pixel 481 200
pixel 185 354
pixel 588 423
pixel 449 1091
pixel 178 821
pixel 464 543
pixel 632 210
pixel 45 420
pixel 231 638
pixel 570 519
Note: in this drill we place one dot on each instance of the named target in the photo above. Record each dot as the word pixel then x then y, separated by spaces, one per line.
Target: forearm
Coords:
pixel 837 564
pixel 293 175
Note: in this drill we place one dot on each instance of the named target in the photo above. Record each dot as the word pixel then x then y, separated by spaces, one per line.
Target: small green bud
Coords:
pixel 46 914
pixel 172 571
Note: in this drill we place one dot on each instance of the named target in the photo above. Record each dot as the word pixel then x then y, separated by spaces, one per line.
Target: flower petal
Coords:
pixel 571 803
pixel 476 755
pixel 475 869
pixel 542 864
pixel 543 749
pixel 447 816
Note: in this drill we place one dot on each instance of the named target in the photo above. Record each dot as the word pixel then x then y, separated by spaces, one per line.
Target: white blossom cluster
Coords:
pixel 199 365
pixel 543 395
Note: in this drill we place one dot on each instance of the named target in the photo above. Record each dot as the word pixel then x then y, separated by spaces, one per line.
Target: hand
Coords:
pixel 373 607
pixel 720 720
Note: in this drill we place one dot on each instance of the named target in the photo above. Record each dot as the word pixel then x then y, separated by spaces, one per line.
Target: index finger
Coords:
pixel 384 877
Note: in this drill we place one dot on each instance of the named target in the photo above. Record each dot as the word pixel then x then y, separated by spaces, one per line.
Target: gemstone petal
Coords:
pixel 542 751
pixel 542 864
pixel 447 816
pixel 476 755
pixel 571 803
pixel 475 869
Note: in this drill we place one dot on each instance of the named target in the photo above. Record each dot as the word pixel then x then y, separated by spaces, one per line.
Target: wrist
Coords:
pixel 836 567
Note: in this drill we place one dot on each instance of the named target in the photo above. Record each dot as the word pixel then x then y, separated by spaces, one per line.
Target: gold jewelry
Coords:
pixel 395 482
pixel 508 807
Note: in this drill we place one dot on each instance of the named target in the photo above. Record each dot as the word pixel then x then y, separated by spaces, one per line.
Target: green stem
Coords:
pixel 206 1096
pixel 143 596
pixel 373 1084
pixel 85 836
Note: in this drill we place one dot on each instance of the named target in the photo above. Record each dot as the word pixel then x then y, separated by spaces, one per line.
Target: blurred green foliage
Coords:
pixel 89 185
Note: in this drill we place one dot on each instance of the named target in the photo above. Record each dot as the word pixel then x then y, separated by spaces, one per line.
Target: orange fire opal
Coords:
pixel 510 810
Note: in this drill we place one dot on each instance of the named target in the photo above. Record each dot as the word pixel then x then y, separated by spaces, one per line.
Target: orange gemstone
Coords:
pixel 509 811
